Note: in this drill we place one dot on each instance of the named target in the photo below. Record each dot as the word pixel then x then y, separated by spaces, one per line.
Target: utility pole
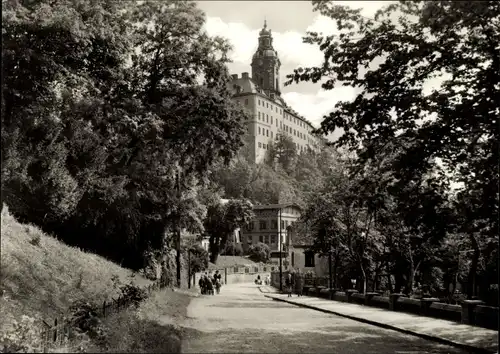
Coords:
pixel 189 268
pixel 280 249
pixel 178 231
pixel 330 271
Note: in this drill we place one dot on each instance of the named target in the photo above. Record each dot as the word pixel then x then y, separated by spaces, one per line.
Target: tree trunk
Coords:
pixel 411 280
pixel 214 249
pixel 471 277
pixel 335 277
pixel 375 278
pixel 365 280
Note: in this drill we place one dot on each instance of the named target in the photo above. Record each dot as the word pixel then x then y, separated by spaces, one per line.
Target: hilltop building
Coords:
pixel 261 96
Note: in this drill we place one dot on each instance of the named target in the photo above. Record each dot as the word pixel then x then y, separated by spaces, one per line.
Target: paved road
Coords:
pixel 242 320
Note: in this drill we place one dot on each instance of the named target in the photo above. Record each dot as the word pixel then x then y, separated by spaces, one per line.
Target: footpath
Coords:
pixel 471 338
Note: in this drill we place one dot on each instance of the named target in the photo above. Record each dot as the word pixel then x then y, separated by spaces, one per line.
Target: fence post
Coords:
pixel 225 275
pixel 104 308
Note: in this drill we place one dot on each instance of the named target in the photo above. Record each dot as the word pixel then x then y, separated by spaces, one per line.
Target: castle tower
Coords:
pixel 265 64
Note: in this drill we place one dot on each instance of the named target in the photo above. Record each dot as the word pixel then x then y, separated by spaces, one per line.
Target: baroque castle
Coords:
pixel 261 96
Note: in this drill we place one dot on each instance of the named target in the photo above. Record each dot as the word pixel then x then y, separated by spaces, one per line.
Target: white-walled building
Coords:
pixel 261 96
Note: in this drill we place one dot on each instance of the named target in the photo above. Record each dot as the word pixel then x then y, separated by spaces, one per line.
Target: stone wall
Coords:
pixel 469 312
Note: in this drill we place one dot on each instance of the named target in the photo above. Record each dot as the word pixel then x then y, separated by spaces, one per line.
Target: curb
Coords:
pixel 267 292
pixel 394 328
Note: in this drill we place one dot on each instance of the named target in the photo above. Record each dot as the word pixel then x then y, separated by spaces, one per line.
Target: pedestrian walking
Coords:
pixel 210 285
pixel 289 284
pixel 218 281
pixel 299 283
pixel 201 283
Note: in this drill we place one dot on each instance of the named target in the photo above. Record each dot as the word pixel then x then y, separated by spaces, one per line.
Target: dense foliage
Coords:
pixel 222 221
pixel 259 252
pixel 411 141
pixel 103 104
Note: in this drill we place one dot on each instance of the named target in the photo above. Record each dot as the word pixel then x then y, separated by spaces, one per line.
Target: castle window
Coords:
pixel 271 119
pixel 260 145
pixel 271 134
pixel 261 239
pixel 273 238
pixel 262 225
pixel 261 81
pixel 267 105
pixel 267 119
pixel 259 115
pixel 259 130
pixel 276 123
pixel 281 125
pixel 274 224
pixel 258 102
pixel 293 259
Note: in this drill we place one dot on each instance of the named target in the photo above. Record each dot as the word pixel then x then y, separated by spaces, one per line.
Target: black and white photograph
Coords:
pixel 250 176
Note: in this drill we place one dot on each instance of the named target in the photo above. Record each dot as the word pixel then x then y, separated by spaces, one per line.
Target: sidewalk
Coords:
pixel 471 338
pixel 268 289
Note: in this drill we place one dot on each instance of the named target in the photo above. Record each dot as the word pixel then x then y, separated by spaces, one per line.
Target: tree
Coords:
pixel 341 219
pixel 260 252
pixel 198 258
pixel 233 249
pixel 257 182
pixel 122 99
pixel 221 222
pixel 390 62
pixel 283 152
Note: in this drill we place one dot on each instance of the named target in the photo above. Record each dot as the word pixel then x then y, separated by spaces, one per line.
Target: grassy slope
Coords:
pixel 153 328
pixel 42 280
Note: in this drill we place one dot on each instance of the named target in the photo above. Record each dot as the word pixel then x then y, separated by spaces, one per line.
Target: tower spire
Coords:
pixel 265 22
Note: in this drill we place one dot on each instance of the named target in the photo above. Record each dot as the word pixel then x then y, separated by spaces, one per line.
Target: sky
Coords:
pixel 240 22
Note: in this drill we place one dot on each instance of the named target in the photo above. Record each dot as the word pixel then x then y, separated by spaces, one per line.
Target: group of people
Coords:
pixel 294 282
pixel 258 281
pixel 208 283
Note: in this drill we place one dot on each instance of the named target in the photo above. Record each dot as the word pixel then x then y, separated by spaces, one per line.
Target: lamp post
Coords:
pixel 280 249
pixel 330 270
pixel 178 232
pixel 189 268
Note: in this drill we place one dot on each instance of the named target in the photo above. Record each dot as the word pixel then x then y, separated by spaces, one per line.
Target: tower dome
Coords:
pixel 265 63
pixel 264 31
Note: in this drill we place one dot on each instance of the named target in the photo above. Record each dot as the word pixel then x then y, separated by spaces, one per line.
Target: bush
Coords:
pixel 85 319
pixel 259 252
pixel 133 294
pixel 233 249
pixel 23 337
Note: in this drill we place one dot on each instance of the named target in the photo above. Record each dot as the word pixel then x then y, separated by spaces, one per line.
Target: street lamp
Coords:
pixel 280 250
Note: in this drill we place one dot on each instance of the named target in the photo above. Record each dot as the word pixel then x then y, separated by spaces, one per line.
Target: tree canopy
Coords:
pixel 424 119
pixel 222 221
pixel 104 104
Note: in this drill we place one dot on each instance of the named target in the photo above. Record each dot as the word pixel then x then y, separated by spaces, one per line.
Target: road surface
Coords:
pixel 242 320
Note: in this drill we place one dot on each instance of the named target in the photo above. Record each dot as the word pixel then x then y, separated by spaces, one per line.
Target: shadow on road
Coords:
pixel 242 320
